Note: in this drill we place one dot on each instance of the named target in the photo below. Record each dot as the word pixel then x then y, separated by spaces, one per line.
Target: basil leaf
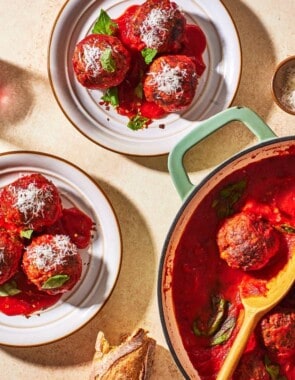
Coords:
pixel 55 281
pixel 286 228
pixel 111 96
pixel 273 369
pixel 219 312
pixel 225 331
pixel 104 24
pixel 107 61
pixel 148 55
pixel 27 234
pixel 139 90
pixel 137 122
pixel 198 331
pixel 227 197
pixel 219 309
pixel 9 289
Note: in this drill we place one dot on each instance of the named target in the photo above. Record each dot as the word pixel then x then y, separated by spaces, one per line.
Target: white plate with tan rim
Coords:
pixel 101 260
pixel 215 92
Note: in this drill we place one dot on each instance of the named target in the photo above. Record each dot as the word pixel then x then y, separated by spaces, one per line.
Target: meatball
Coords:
pixel 171 82
pixel 11 250
pixel 251 367
pixel 30 202
pixel 52 263
pixel 278 331
pixel 247 241
pixel 158 25
pixel 100 61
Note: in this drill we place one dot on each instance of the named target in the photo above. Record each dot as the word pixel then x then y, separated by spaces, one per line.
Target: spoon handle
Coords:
pixel 232 359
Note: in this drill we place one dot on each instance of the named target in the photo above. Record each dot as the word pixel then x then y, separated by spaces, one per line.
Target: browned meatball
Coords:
pixel 171 82
pixel 100 61
pixel 278 331
pixel 52 263
pixel 32 201
pixel 251 367
pixel 159 25
pixel 11 250
pixel 247 241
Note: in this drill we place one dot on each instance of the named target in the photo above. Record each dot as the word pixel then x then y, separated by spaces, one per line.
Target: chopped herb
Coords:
pixel 27 234
pixel 111 96
pixel 139 90
pixel 107 61
pixel 220 308
pixel 286 228
pixel 273 369
pixel 104 24
pixel 227 197
pixel 9 289
pixel 137 122
pixel 55 281
pixel 225 331
pixel 148 55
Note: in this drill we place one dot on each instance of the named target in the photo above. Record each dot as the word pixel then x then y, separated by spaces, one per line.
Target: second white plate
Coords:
pixel 101 260
pixel 215 92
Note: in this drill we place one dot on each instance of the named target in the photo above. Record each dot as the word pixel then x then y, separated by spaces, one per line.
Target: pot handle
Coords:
pixel 175 159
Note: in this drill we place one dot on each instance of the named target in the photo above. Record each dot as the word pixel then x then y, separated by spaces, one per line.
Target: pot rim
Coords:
pixel 185 203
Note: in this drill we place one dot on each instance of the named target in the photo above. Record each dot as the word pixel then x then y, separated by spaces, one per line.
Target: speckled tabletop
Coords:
pixel 139 188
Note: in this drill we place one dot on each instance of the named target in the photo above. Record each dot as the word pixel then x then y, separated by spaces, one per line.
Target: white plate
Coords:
pixel 215 92
pixel 101 261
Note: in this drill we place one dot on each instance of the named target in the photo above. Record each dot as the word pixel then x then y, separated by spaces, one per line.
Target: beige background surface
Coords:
pixel 140 189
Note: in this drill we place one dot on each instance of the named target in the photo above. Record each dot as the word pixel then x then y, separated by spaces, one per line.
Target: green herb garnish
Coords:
pixel 273 369
pixel 107 61
pixel 227 197
pixel 9 289
pixel 55 281
pixel 286 228
pixel 27 234
pixel 111 96
pixel 104 24
pixel 225 331
pixel 148 55
pixel 219 312
pixel 137 122
pixel 220 306
pixel 139 90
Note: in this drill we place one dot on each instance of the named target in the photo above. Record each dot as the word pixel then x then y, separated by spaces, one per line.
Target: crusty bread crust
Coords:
pixel 131 360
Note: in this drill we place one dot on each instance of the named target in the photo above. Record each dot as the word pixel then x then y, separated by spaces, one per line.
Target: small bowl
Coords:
pixel 283 85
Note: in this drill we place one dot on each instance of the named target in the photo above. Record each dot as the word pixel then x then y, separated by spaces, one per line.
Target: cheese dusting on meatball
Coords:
pixel 31 201
pixel 91 57
pixel 153 27
pixel 49 256
pixel 169 80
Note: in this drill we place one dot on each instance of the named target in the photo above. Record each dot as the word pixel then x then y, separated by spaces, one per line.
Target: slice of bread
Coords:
pixel 131 360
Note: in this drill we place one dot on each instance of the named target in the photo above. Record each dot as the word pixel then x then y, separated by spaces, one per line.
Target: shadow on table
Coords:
pixel 16 94
pixel 258 61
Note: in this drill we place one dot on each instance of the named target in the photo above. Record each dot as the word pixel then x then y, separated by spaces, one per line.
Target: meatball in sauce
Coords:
pixel 100 61
pixel 247 241
pixel 171 82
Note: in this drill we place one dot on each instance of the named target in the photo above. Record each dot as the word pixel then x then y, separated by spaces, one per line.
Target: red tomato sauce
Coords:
pixel 199 273
pixel 75 224
pixel 130 104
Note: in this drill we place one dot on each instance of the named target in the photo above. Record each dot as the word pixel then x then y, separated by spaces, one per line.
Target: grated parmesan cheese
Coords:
pixel 154 26
pixel 91 57
pixel 169 80
pixel 51 255
pixel 30 201
pixel 288 95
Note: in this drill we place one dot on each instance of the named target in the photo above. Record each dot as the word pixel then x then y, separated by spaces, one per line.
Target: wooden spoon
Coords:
pixel 254 309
